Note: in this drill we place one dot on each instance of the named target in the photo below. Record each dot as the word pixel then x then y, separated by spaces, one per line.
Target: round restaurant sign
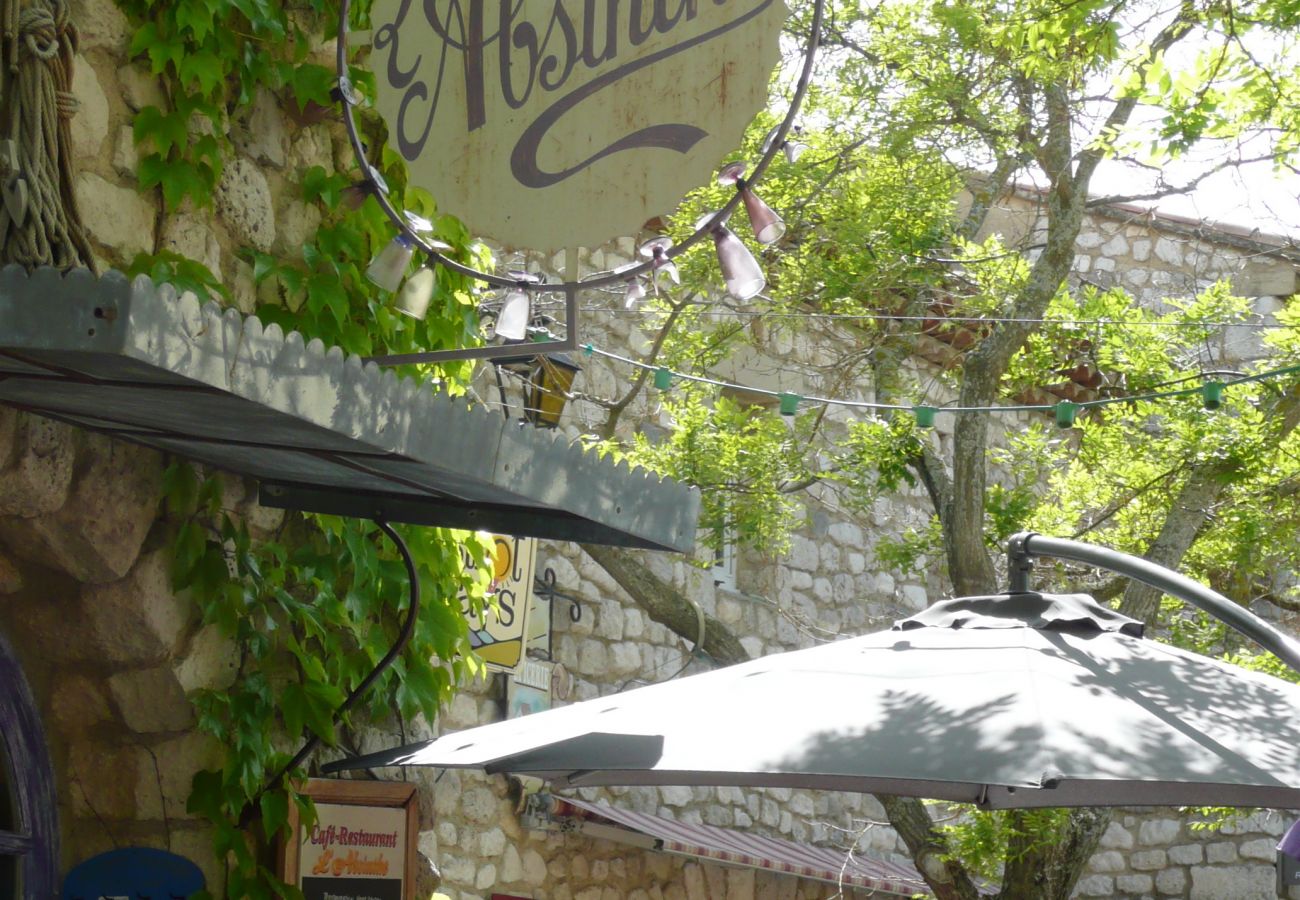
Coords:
pixel 549 124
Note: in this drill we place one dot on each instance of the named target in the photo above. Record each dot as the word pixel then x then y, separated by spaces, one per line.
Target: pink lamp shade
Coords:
pixel 634 294
pixel 386 269
pixel 768 226
pixel 656 250
pixel 740 270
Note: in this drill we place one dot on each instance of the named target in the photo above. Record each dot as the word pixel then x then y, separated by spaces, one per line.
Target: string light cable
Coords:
pixel 1210 390
pixel 956 320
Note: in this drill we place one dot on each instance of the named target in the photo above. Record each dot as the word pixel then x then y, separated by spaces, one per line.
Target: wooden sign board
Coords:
pixel 567 123
pixel 363 844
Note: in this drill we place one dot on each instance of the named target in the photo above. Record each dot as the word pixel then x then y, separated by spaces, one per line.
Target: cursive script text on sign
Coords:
pixel 568 99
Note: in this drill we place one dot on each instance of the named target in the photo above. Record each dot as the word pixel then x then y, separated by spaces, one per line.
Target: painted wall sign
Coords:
pixel 549 125
pixel 362 845
pixel 498 637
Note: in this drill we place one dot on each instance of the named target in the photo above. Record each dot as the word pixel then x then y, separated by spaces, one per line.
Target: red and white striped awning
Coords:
pixel 739 848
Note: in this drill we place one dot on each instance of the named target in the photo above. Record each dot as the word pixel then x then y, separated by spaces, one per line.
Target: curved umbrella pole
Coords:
pixel 1023 547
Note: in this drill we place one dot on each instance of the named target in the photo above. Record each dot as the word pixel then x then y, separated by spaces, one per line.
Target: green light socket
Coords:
pixel 1212 394
pixel 789 404
pixel 663 378
pixel 1065 413
pixel 924 416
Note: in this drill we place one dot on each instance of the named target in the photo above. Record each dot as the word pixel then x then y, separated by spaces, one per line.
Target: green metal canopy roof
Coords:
pixel 321 431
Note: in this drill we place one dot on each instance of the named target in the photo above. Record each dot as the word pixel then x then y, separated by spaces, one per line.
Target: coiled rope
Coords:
pixel 39 221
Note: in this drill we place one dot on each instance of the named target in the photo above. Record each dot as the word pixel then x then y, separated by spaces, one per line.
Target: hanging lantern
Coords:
pixel 792 147
pixel 1065 413
pixel 634 291
pixel 413 299
pixel 516 308
pixel 548 380
pixel 924 416
pixel 1212 394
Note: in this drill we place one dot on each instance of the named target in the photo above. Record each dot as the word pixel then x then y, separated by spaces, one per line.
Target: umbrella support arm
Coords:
pixel 1023 547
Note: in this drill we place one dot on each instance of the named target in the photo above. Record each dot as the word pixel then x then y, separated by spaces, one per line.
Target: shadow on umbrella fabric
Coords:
pixel 1014 700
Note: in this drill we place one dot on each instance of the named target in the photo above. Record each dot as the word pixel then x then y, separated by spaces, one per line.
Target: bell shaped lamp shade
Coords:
pixel 768 226
pixel 413 299
pixel 512 323
pixel 634 294
pixel 792 147
pixel 656 250
pixel 516 308
pixel 387 269
pixel 740 270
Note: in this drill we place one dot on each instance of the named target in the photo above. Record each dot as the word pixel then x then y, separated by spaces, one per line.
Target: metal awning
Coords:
pixel 742 848
pixel 321 431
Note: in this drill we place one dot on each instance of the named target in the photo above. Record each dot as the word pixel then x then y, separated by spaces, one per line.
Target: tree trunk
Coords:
pixel 929 848
pixel 1049 869
pixel 1190 510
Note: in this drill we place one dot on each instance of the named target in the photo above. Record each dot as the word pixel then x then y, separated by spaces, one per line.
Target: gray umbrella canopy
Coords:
pixel 1015 700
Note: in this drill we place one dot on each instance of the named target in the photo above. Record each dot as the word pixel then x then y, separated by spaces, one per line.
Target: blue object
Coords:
pixel 140 873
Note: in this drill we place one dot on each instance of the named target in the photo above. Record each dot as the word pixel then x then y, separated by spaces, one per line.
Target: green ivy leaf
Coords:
pixel 312 83
pixel 207 795
pixel 189 548
pixel 203 69
pixel 275 812
pixel 195 18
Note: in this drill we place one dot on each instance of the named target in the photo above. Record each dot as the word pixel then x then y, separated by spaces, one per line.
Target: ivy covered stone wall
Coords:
pixel 112 651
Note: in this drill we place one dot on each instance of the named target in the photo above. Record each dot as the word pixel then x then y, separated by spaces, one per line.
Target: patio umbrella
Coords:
pixel 1012 700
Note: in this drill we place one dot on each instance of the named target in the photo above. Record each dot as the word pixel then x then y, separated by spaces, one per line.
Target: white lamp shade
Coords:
pixel 512 323
pixel 413 300
pixel 386 269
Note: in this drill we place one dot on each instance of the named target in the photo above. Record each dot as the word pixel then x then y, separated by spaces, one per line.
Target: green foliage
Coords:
pixel 314 607
pixel 311 610
pixel 986 841
pixel 213 57
pixel 181 272
pixel 742 459
pixel 325 293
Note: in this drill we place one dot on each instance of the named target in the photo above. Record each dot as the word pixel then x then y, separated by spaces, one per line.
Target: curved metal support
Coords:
pixel 403 637
pixel 1022 547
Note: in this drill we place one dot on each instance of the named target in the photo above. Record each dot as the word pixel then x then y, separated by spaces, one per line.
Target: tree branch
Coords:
pixel 666 605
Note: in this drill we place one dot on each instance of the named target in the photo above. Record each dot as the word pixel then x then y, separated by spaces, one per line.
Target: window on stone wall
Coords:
pixel 724 563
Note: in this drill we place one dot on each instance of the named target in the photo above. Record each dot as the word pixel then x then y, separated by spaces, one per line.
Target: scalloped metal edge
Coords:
pixel 225 349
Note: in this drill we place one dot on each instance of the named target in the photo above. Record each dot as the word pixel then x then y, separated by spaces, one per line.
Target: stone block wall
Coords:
pixel 112 652
pixel 1160 853
pixel 86 600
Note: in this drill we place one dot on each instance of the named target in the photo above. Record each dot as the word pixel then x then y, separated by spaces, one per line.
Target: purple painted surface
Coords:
pixel 31 779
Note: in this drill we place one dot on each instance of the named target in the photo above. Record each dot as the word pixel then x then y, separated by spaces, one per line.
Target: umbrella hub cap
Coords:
pixel 1074 613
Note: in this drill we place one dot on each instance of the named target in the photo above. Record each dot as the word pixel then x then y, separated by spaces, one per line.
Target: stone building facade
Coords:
pixel 110 652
